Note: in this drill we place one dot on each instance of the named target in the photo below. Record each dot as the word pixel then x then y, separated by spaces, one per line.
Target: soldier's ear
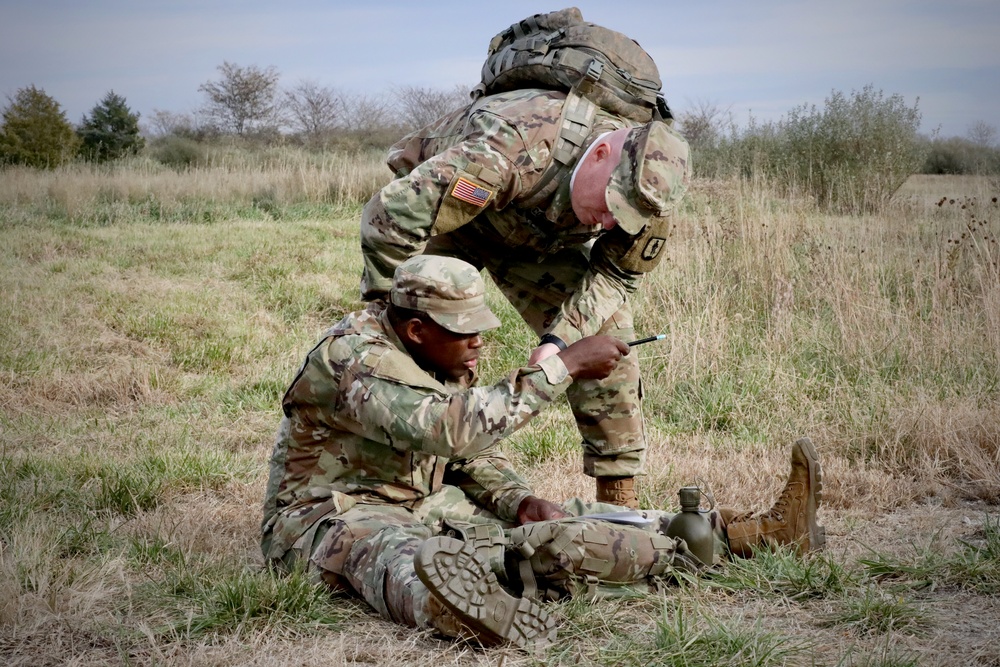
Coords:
pixel 602 151
pixel 414 331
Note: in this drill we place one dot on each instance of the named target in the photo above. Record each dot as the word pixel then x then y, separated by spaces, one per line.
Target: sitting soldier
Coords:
pixel 387 450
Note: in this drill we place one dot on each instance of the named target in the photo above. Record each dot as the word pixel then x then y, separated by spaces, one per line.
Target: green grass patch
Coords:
pixel 974 566
pixel 783 573
pixel 686 636
pixel 878 612
pixel 218 602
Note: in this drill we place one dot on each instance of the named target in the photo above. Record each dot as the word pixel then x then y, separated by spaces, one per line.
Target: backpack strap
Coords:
pixel 575 125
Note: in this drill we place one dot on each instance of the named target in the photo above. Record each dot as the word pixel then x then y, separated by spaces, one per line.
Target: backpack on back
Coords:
pixel 560 51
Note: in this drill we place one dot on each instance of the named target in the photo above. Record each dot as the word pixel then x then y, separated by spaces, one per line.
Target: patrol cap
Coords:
pixel 651 177
pixel 449 290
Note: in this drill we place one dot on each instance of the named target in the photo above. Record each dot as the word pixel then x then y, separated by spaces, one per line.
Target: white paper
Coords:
pixel 627 518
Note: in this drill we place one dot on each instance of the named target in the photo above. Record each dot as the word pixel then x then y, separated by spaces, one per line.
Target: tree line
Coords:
pixel 245 102
pixel 36 133
pixel 865 137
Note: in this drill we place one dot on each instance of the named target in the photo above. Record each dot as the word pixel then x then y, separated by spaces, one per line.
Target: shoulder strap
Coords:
pixel 575 126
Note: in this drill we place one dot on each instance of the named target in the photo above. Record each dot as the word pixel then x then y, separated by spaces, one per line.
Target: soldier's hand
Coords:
pixel 534 509
pixel 593 357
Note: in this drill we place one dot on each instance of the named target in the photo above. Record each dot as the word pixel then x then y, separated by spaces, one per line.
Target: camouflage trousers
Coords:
pixel 370 548
pixel 608 412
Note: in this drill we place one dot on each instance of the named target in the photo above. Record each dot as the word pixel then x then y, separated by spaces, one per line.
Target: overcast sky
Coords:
pixel 754 58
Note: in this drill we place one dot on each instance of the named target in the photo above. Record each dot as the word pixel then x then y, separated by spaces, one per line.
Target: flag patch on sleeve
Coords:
pixel 469 192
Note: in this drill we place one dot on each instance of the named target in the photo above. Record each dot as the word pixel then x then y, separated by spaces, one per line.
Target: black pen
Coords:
pixel 647 340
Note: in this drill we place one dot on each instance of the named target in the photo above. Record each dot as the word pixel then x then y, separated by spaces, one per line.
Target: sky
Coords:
pixel 751 59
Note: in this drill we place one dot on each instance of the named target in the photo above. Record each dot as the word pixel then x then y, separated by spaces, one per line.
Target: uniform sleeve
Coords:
pixel 439 195
pixel 604 289
pixel 391 408
pixel 490 480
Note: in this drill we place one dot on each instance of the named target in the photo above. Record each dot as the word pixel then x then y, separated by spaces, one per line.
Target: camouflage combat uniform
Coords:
pixel 374 455
pixel 371 440
pixel 466 188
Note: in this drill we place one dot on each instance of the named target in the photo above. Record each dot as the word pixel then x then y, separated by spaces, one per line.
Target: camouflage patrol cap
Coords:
pixel 449 290
pixel 651 177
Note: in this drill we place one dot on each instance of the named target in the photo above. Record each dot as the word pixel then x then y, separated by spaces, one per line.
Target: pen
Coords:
pixel 647 340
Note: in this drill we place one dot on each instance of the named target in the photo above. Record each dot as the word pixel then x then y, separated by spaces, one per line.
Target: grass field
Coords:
pixel 151 320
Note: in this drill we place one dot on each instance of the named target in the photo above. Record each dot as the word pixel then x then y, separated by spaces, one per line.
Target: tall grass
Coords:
pixel 224 184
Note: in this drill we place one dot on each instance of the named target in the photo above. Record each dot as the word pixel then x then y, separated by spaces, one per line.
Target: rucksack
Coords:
pixel 560 51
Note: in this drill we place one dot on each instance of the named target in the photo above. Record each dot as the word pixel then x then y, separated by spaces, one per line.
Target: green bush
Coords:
pixel 855 153
pixel 35 132
pixel 178 152
pixel 960 156
pixel 850 156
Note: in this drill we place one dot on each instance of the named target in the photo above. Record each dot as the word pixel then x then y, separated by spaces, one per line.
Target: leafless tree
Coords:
pixel 365 113
pixel 982 134
pixel 702 124
pixel 313 110
pixel 419 106
pixel 162 123
pixel 244 100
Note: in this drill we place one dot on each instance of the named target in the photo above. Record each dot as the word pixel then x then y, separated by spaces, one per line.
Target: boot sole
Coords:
pixel 817 533
pixel 463 581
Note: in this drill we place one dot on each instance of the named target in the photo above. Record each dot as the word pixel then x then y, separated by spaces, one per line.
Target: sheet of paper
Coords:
pixel 627 518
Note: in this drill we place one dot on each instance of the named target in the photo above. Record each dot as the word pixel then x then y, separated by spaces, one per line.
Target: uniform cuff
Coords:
pixel 555 370
pixel 511 501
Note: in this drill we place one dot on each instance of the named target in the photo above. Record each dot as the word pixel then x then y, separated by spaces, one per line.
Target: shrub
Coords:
pixel 35 132
pixel 178 152
pixel 850 156
pixel 960 156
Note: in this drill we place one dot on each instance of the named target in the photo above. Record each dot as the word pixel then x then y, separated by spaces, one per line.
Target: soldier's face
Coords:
pixel 592 176
pixel 443 352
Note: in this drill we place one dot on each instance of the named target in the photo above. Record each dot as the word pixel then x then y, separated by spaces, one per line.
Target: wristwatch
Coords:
pixel 554 339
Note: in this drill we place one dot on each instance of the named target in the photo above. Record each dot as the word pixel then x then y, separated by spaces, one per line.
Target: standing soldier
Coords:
pixel 565 205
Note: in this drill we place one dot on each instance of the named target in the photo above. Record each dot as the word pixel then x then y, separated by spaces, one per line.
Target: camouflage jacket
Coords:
pixel 364 423
pixel 498 149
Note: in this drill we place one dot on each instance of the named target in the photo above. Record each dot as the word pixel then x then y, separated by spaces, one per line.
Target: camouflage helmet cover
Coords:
pixel 449 290
pixel 651 177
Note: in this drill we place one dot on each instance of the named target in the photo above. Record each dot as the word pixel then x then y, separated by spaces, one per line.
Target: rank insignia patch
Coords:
pixel 469 192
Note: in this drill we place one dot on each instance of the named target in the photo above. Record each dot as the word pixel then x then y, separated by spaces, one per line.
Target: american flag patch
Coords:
pixel 468 191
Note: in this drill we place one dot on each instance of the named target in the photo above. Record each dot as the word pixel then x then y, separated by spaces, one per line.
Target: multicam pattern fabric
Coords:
pixel 502 144
pixel 450 291
pixel 652 176
pixel 563 277
pixel 374 456
pixel 370 549
pixel 364 423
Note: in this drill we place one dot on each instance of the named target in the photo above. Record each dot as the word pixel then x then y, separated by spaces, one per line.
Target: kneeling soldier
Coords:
pixel 387 447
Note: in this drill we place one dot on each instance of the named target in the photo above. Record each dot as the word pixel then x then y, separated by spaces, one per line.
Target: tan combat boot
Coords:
pixel 462 580
pixel 792 520
pixel 617 491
